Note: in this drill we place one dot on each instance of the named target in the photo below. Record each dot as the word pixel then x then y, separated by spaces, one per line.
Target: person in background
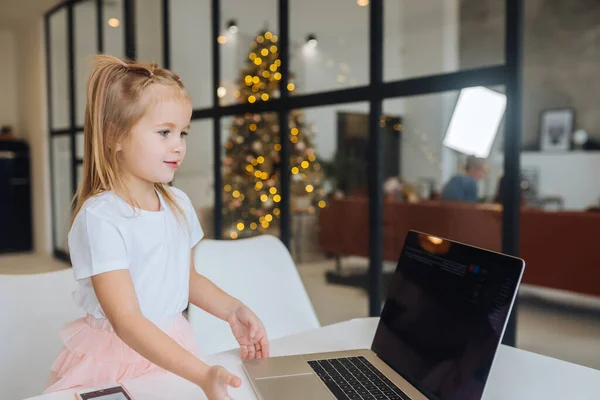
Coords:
pixel 464 187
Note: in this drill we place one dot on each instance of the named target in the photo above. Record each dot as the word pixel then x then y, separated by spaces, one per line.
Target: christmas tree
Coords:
pixel 251 171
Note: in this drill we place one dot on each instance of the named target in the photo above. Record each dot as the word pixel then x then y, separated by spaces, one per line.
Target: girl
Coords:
pixel 131 238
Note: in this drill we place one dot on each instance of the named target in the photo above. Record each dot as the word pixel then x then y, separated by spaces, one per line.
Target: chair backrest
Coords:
pixel 33 308
pixel 259 272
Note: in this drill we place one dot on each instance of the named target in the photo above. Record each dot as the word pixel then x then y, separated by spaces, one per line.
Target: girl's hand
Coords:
pixel 250 333
pixel 216 381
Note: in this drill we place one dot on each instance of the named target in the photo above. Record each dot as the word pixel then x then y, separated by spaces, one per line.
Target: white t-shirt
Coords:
pixel 108 234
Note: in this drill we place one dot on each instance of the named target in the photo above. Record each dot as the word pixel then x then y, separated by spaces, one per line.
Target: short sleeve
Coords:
pixel 472 192
pixel 195 229
pixel 196 232
pixel 96 246
pixel 449 190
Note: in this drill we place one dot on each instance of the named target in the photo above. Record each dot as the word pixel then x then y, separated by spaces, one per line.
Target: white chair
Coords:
pixel 260 272
pixel 33 309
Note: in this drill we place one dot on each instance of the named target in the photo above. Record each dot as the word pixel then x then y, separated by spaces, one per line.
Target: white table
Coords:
pixel 516 374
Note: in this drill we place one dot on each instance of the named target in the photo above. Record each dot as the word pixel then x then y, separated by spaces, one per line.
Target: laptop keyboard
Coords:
pixel 356 378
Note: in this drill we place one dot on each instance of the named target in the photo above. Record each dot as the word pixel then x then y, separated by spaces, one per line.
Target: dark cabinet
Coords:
pixel 15 197
pixel 353 150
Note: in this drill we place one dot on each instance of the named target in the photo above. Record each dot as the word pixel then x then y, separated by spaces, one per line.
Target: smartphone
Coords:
pixel 116 392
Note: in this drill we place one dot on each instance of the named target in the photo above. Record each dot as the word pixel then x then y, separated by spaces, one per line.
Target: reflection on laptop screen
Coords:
pixel 446 309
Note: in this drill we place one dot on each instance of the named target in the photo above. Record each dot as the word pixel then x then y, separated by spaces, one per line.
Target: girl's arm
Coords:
pixel 116 294
pixel 207 296
pixel 247 329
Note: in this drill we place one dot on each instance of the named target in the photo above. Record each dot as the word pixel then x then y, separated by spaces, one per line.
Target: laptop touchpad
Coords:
pixel 276 367
pixel 300 387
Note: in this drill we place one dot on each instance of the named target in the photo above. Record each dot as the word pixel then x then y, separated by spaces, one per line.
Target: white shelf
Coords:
pixel 572 175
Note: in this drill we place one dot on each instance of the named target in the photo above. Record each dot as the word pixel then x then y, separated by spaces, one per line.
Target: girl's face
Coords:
pixel 155 147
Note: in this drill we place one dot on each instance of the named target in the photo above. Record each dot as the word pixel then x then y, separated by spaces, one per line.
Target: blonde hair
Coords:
pixel 113 107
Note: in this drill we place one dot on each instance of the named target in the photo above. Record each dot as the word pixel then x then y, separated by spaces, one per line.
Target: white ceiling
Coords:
pixel 14 11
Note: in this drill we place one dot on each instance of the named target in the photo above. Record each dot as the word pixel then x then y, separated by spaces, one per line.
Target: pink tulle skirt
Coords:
pixel 93 355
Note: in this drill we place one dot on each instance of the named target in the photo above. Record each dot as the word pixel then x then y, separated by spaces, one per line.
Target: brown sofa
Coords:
pixel 561 249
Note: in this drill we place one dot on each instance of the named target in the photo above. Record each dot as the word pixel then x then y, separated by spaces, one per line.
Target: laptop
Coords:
pixel 444 316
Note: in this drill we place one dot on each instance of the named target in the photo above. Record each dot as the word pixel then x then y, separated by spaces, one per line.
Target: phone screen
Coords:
pixel 116 396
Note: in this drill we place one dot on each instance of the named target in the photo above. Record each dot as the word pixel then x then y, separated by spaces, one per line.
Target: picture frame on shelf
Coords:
pixel 556 129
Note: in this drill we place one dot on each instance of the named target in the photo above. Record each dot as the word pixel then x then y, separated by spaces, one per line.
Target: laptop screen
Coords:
pixel 445 312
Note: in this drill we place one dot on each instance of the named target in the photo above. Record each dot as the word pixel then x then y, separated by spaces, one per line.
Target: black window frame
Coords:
pixel 375 92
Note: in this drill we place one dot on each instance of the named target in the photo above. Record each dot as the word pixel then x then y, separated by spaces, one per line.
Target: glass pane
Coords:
pixel 79 173
pixel 432 188
pixel 249 52
pixel 61 189
pixel 324 169
pixel 148 31
pixel 561 186
pixel 195 175
pixel 431 36
pixel 114 28
pixel 86 40
pixel 79 142
pixel 59 71
pixel 251 175
pixel 329 45
pixel 329 241
pixel 191 51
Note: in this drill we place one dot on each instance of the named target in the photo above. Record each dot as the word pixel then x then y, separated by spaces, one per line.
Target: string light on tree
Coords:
pixel 251 172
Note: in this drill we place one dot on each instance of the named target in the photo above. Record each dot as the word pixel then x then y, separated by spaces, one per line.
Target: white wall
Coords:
pixel 9 110
pixel 429 45
pixel 149 38
pixel 573 176
pixel 23 105
pixel 31 83
pixel 190 58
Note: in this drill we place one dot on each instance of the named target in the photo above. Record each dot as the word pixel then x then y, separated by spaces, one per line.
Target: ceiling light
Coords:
pixel 232 26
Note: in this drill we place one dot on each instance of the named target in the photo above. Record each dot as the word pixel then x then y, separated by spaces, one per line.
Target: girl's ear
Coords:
pixel 118 146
